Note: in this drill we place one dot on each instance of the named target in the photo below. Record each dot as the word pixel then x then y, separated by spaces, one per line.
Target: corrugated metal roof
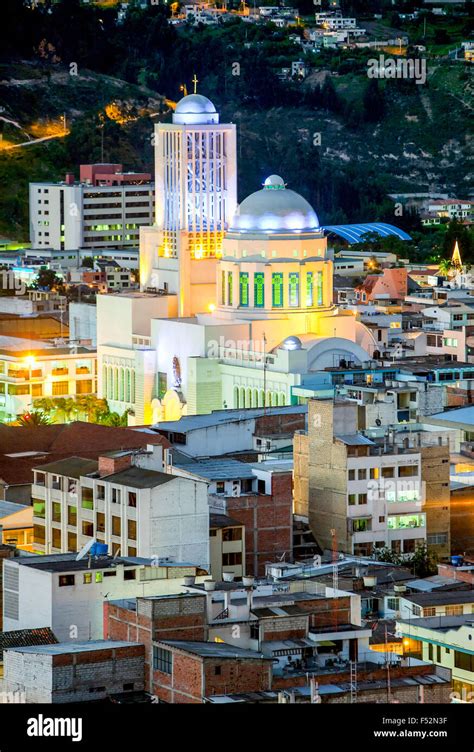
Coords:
pixel 355 439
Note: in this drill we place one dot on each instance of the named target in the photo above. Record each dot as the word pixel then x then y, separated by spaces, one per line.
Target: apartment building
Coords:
pixel 104 209
pixel 446 641
pixel 67 595
pixel 370 494
pixel 32 369
pixel 135 510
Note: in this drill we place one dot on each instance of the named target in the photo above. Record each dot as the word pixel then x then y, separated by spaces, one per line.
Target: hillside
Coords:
pixel 423 139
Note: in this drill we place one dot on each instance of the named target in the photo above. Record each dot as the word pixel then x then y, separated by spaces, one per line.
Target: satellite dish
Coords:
pixel 378 422
pixel 85 550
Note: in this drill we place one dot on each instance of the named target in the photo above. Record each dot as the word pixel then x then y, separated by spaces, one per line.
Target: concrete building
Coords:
pixel 79 672
pixel 105 209
pixel 67 595
pixel 32 369
pixel 130 505
pixel 446 641
pixel 370 495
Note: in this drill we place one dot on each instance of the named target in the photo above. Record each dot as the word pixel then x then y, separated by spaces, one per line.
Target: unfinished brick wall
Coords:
pixel 178 618
pixel 268 521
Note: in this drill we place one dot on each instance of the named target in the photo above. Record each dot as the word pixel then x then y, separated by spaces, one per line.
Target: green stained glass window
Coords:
pixel 244 289
pixel 277 290
pixel 319 288
pixel 309 289
pixel 294 289
pixel 230 297
pixel 259 289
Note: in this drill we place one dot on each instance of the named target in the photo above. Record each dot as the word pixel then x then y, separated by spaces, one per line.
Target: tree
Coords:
pixel 32 419
pixel 88 262
pixel 47 279
pixel 374 102
pixel 445 267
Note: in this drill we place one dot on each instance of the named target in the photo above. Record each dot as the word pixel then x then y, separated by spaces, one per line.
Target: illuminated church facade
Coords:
pixel 236 308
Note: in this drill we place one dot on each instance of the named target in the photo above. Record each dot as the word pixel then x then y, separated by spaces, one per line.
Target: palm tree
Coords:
pixel 445 267
pixel 45 404
pixel 31 419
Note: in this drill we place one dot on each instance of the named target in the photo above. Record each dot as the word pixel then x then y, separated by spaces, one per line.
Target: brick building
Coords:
pixel 257 495
pixel 187 672
pixel 74 672
pixel 144 620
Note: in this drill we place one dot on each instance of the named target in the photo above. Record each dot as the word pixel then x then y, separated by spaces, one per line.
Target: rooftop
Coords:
pixel 212 649
pixel 441 598
pixel 138 477
pixel 197 422
pixel 67 562
pixel 63 648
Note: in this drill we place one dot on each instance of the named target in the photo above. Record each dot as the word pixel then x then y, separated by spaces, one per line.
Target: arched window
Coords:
pixel 104 381
pixel 255 398
pixel 132 386
pixel 242 397
pixel 282 399
pixel 260 398
pixel 110 382
pixel 248 401
pixel 236 396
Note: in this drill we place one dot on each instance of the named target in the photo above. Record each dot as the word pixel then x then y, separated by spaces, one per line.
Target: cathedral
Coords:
pixel 236 304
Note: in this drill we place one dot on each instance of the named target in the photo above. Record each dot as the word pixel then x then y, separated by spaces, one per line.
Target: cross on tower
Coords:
pixel 195 82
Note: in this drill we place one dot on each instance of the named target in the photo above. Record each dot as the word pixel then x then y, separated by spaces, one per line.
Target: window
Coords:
pixel 374 473
pixel 362 499
pixel 129 574
pixel 132 499
pixel 232 534
pixel 38 534
pixel 72 516
pixel 361 474
pixel 388 472
pixel 56 512
pixel 116 496
pixel 84 386
pixel 351 474
pixel 66 580
pixel 132 530
pixel 87 528
pixel 217 670
pixel 456 610
pixel 39 508
pixel 361 525
pixel 293 289
pixel 259 289
pixel 162 660
pixel 116 526
pixel 381 519
pixel 56 482
pixel 220 487
pixel 407 471
pixel 319 288
pixel 223 288
pixel 110 574
pixel 87 498
pixel 100 491
pixel 230 289
pixel 60 388
pixel 87 578
pixel 244 289
pixel 232 559
pixel 100 522
pixel 351 500
pixel 277 290
pixel 392 604
pixel 71 542
pixel 430 611
pixel 464 661
pixel 98 577
pixel 403 521
pixel 56 538
pixel 309 289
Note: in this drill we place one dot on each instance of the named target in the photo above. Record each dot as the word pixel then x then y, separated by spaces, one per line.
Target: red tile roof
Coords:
pixel 60 441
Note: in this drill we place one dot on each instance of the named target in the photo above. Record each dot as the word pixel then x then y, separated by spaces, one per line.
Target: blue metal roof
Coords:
pixel 355 233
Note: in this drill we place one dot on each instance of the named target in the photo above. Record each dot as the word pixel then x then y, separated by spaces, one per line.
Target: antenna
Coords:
pixel 85 550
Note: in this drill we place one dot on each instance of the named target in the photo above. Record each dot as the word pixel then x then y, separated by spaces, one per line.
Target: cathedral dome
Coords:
pixel 195 109
pixel 275 209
